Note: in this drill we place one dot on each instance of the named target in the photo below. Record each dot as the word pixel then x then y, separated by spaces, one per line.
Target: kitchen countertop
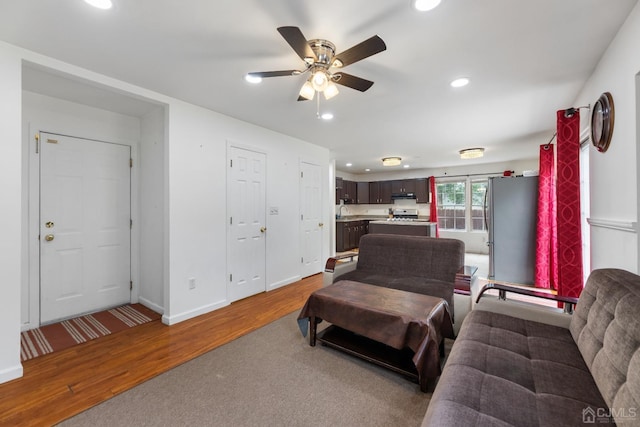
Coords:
pixel 412 223
pixel 361 218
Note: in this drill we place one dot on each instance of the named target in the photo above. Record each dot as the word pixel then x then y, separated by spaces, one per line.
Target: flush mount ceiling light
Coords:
pixel 471 153
pixel 326 116
pixel 100 4
pixel 391 161
pixel 425 5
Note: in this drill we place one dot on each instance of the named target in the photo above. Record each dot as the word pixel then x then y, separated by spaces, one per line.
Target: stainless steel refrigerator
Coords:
pixel 511 211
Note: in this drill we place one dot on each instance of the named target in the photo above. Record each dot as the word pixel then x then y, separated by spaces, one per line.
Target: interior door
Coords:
pixel 85 231
pixel 311 218
pixel 246 203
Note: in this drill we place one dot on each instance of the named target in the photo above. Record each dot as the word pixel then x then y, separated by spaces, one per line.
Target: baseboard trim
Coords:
pixel 172 320
pixel 284 282
pixel 153 306
pixel 11 373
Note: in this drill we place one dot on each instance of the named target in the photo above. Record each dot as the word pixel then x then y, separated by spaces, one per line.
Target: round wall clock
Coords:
pixel 602 118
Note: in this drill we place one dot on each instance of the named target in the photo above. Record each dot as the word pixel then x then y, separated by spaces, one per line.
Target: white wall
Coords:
pixel 190 193
pixel 151 219
pixel 197 213
pixel 11 214
pixel 614 175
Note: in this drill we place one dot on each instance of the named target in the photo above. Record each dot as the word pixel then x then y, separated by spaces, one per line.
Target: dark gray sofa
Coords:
pixel 422 265
pixel 504 371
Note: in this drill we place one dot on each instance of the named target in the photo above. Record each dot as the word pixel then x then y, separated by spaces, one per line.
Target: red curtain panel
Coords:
pixel 433 213
pixel 568 205
pixel 546 272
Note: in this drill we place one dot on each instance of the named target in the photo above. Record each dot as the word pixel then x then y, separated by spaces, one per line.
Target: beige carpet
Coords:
pixel 271 377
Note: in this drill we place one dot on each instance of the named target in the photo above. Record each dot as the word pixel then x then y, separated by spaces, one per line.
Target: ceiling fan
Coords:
pixel 323 65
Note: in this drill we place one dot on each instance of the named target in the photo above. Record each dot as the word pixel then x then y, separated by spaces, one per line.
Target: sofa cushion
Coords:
pixel 393 255
pixel 606 328
pixel 512 372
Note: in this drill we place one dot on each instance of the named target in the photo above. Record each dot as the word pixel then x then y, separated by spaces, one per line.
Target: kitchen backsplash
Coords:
pixel 383 210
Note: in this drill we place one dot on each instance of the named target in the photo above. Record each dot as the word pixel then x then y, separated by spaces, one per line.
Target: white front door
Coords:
pixel 85 256
pixel 310 218
pixel 246 204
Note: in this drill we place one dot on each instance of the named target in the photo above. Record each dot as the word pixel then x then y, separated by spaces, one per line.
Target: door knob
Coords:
pixel 321 224
pixel 48 224
pixel 263 229
pixel 48 237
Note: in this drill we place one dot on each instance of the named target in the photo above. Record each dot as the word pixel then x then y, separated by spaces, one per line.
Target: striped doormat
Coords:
pixel 58 336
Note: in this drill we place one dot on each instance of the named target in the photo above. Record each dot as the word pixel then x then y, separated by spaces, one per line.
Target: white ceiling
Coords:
pixel 525 59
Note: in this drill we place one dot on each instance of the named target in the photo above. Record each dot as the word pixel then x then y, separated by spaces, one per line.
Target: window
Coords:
pixel 461 204
pixel 478 191
pixel 451 205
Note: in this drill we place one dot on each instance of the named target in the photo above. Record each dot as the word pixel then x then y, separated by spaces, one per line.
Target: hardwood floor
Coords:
pixel 59 385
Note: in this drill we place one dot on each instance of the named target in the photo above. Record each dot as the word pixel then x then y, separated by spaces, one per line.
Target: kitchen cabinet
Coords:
pixel 362 193
pixel 346 190
pixel 348 234
pixel 403 186
pixel 422 190
pixel 380 192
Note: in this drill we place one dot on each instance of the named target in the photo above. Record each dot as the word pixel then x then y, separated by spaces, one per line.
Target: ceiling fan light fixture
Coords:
pixel 425 5
pixel 307 91
pixel 320 80
pixel 337 63
pixel 391 161
pixel 331 90
pixel 471 153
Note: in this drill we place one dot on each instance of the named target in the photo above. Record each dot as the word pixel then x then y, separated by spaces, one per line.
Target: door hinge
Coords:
pixel 231 163
pixel 130 224
pixel 301 174
pixel 231 277
pixel 301 217
pixel 230 220
pixel 130 163
pixel 131 285
pixel 302 260
pixel 37 137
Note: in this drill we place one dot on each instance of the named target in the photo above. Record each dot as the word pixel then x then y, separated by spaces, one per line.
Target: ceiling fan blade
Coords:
pixel 297 41
pixel 362 50
pixel 302 98
pixel 353 82
pixel 265 74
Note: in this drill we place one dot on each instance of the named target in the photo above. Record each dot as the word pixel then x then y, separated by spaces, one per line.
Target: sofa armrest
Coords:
pixel 338 266
pixel 464 279
pixel 569 302
pixel 330 265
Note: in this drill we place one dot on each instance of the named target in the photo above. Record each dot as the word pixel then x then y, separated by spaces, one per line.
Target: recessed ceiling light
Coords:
pixel 349 165
pixel 462 81
pixel 367 170
pixel 425 5
pixel 406 166
pixel 100 4
pixel 253 79
pixel 326 116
